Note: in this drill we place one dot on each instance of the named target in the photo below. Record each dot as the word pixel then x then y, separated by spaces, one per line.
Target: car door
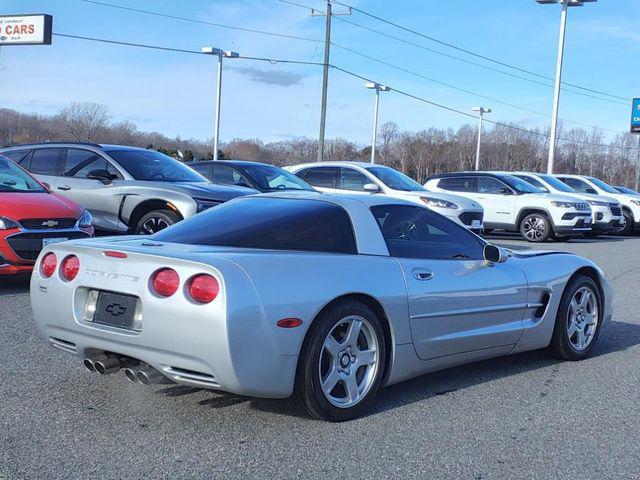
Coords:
pixel 45 164
pixel 102 199
pixel 323 179
pixel 457 302
pixel 498 201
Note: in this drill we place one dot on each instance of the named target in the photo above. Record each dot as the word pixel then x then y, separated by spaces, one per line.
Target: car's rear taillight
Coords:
pixel 203 288
pixel 48 265
pixel 70 267
pixel 165 282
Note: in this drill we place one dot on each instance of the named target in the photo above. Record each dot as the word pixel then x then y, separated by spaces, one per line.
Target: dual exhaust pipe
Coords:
pixel 134 370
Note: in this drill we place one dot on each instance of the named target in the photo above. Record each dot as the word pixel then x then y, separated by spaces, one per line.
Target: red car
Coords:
pixel 31 217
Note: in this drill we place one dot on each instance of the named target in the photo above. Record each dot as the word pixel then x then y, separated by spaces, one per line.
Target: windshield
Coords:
pixel 519 185
pixel 395 180
pixel 557 184
pixel 269 178
pixel 603 186
pixel 154 166
pixel 14 179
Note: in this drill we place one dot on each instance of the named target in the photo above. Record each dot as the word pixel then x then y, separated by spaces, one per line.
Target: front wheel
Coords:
pixel 535 227
pixel 628 229
pixel 578 320
pixel 341 364
pixel 155 221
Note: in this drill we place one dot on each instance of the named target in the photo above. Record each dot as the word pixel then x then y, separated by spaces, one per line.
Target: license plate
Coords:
pixel 51 241
pixel 476 223
pixel 116 310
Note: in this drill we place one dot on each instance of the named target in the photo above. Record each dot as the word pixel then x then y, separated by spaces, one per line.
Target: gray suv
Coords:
pixel 126 189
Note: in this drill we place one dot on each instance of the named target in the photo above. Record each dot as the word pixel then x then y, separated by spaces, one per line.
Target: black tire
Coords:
pixel 541 234
pixel 628 229
pixel 308 395
pixel 155 221
pixel 561 346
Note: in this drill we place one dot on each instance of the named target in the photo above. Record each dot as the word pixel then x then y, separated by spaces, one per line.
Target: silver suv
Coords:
pixel 126 189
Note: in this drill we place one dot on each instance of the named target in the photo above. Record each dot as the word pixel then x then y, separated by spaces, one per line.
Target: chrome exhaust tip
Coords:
pixel 89 365
pixel 130 373
pixel 149 375
pixel 107 365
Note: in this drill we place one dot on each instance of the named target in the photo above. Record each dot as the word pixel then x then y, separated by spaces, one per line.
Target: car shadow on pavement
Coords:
pixel 496 237
pixel 14 285
pixel 617 336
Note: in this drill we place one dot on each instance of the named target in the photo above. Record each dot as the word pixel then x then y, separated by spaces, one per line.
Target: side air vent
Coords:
pixel 544 303
pixel 69 347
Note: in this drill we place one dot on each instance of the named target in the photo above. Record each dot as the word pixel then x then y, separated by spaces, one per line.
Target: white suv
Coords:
pixel 515 205
pixel 630 203
pixel 368 178
pixel 606 212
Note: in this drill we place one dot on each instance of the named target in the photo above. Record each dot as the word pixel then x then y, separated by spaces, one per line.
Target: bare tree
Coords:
pixel 84 121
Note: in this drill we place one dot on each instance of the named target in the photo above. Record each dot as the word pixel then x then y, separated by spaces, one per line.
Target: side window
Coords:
pixel 416 232
pixel 46 161
pixel 77 159
pixel 351 179
pixel 491 186
pixel 459 184
pixel 83 169
pixel 17 156
pixel 226 175
pixel 533 181
pixel 204 170
pixel 577 185
pixel 321 177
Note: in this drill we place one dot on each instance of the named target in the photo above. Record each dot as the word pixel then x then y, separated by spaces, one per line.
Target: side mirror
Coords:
pixel 506 191
pixel 493 254
pixel 371 188
pixel 102 175
pixel 591 190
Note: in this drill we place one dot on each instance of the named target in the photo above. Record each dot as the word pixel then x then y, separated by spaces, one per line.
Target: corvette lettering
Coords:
pixel 111 275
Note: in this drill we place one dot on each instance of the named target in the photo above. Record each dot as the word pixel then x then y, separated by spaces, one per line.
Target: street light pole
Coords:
pixel 558 81
pixel 481 111
pixel 220 54
pixel 376 104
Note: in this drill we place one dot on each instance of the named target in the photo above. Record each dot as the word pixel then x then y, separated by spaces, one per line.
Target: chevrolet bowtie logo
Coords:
pixel 50 223
pixel 115 309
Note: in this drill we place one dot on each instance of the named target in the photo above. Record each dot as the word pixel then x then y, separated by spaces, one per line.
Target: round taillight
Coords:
pixel 165 282
pixel 48 265
pixel 70 267
pixel 203 288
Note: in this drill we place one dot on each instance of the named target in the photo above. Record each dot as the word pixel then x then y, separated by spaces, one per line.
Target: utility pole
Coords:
pixel 325 72
pixel 481 111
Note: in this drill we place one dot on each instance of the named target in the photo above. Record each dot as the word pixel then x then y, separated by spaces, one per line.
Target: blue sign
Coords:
pixel 635 116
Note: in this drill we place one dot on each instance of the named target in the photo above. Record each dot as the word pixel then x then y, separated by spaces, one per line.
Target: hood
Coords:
pixel 555 197
pixel 20 206
pixel 588 196
pixel 210 191
pixel 463 202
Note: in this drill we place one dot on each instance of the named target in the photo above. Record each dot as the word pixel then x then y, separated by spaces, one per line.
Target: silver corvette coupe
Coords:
pixel 321 298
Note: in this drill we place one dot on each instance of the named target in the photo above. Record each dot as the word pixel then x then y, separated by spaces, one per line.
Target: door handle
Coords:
pixel 64 187
pixel 421 274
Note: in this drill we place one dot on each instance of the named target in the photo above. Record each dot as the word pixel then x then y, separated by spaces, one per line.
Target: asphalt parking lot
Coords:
pixel 526 416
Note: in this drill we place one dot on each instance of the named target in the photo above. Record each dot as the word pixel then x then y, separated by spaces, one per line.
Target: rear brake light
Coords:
pixel 165 282
pixel 203 288
pixel 70 267
pixel 48 265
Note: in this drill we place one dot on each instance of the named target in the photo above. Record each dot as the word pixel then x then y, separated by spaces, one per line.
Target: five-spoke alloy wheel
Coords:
pixel 342 362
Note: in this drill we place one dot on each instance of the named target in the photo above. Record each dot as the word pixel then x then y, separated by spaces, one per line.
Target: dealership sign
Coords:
pixel 25 29
pixel 635 116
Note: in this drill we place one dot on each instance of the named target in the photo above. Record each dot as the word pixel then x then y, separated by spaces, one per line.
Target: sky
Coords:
pixel 174 93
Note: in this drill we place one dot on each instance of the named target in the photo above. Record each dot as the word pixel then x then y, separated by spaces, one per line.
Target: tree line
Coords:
pixel 418 154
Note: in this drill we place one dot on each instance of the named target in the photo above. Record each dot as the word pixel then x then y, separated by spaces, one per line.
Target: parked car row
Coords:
pixel 141 191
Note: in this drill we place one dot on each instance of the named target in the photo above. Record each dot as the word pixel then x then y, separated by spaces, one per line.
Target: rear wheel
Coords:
pixel 155 221
pixel 628 229
pixel 578 320
pixel 535 227
pixel 341 363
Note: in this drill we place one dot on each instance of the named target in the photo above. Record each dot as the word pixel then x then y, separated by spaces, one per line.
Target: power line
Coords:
pixel 472 53
pixel 300 5
pixel 344 70
pixel 476 64
pixel 453 87
pixel 201 22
